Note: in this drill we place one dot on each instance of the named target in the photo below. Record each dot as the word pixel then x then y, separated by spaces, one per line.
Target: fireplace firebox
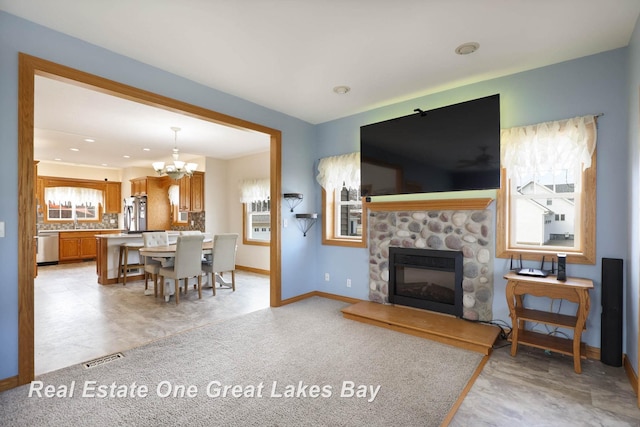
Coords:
pixel 427 279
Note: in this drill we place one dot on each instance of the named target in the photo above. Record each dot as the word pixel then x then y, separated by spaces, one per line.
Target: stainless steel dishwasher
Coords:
pixel 47 248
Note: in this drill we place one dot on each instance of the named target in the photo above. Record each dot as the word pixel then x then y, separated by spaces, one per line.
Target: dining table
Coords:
pixel 164 254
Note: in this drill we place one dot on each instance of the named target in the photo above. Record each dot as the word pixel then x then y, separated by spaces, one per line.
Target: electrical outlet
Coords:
pixel 326 277
pixel 348 283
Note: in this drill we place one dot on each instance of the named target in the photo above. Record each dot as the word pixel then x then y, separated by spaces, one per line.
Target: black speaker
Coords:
pixel 611 319
pixel 562 267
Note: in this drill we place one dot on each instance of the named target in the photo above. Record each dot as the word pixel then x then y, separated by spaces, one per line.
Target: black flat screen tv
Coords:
pixel 450 148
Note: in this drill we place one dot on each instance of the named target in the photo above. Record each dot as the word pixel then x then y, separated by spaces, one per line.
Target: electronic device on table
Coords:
pixel 533 272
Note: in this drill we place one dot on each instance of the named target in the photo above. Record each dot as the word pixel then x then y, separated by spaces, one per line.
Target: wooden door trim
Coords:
pixel 29 67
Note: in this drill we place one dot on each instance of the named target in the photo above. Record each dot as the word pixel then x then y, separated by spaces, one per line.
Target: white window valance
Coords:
pixel 75 195
pixel 338 171
pixel 255 190
pixel 548 147
pixel 174 194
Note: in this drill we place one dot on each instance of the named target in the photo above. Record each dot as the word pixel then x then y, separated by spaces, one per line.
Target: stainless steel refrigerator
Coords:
pixel 135 213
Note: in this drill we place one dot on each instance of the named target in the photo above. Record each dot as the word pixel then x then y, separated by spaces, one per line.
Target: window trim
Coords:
pixel 48 182
pixel 329 221
pixel 245 239
pixel 587 255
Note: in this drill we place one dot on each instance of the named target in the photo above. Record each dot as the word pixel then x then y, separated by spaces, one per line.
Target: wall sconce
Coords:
pixel 306 221
pixel 293 199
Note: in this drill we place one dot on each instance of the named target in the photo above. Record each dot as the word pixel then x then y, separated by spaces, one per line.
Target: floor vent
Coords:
pixel 102 360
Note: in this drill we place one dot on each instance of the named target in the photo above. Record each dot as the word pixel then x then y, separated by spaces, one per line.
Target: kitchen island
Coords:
pixel 108 251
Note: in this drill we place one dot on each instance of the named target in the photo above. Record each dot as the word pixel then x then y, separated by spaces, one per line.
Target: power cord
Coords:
pixel 505 329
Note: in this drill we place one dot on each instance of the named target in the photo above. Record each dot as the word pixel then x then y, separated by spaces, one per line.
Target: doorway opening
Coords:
pixel 29 67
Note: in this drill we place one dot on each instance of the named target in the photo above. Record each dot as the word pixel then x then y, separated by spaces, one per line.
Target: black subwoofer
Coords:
pixel 611 320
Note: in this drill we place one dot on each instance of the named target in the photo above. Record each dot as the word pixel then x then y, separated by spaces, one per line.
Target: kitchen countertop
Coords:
pixel 122 234
pixel 78 230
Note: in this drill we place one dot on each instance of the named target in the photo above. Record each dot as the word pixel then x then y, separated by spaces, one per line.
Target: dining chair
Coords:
pixel 152 266
pixel 223 259
pixel 187 264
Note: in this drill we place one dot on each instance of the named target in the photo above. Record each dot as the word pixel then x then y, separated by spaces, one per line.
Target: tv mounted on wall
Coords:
pixel 451 148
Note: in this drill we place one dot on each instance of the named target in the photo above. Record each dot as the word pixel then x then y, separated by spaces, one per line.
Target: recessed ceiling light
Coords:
pixel 103 164
pixel 74 149
pixel 146 149
pixel 57 159
pixel 89 140
pixel 126 157
pixel 467 48
pixel 341 90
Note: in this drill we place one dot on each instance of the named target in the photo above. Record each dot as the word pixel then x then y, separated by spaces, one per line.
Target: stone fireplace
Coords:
pixel 469 231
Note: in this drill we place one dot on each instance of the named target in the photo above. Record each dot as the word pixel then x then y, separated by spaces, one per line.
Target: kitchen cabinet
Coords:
pixel 184 184
pixel 197 192
pixel 139 186
pixel 112 197
pixel 78 245
pixel 158 205
pixel 191 193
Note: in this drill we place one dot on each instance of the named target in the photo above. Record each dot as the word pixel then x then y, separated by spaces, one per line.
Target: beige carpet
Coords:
pixel 298 365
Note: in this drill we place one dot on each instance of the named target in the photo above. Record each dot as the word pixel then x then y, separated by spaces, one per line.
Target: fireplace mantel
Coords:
pixel 436 204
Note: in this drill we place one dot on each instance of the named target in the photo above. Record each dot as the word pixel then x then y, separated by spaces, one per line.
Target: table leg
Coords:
pixel 512 313
pixel 583 311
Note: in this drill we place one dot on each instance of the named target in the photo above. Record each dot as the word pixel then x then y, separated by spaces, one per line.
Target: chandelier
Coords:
pixel 178 168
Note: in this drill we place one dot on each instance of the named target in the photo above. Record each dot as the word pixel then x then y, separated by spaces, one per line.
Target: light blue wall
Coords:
pixel 595 84
pixel 17 35
pixel 591 85
pixel 632 294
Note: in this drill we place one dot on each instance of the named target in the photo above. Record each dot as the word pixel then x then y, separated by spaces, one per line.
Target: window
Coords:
pixel 546 203
pixel 66 204
pixel 257 222
pixel 348 213
pixel 343 222
pixel 256 211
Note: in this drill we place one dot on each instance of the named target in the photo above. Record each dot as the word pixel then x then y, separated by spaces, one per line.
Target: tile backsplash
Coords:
pixel 109 221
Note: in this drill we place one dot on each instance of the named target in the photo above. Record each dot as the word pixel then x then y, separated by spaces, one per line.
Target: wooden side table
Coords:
pixel 573 289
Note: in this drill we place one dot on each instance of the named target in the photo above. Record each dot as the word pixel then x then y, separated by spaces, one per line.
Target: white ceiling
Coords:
pixel 288 55
pixel 65 115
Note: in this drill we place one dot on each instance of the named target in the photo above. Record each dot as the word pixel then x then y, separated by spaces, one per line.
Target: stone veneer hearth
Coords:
pixel 469 231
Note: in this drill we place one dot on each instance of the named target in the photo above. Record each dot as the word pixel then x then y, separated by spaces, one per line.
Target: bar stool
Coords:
pixel 123 260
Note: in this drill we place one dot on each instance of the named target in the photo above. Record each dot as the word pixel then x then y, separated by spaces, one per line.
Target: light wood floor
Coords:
pixel 77 320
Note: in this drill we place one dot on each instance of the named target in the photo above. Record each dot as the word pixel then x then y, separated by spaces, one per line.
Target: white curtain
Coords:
pixel 75 195
pixel 547 147
pixel 338 171
pixel 255 190
pixel 174 194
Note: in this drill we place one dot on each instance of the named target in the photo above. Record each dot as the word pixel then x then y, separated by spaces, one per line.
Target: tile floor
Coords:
pixel 77 320
pixel 537 388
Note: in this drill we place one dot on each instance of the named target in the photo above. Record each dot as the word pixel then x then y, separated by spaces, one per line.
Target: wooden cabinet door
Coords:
pixel 69 249
pixel 185 193
pixel 88 249
pixel 138 186
pixel 197 192
pixel 112 198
